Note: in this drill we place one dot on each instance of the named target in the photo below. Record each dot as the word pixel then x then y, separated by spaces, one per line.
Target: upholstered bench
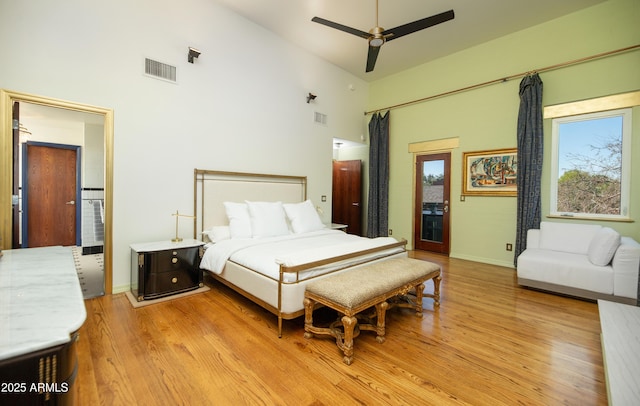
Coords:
pixel 382 285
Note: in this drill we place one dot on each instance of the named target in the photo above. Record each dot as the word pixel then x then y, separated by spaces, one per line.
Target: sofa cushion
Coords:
pixel 603 245
pixel 562 268
pixel 573 238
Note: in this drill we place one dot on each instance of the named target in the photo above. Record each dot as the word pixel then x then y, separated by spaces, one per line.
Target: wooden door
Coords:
pixel 347 195
pixel 50 195
pixel 432 213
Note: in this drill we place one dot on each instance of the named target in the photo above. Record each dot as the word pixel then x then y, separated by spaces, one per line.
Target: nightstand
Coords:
pixel 165 268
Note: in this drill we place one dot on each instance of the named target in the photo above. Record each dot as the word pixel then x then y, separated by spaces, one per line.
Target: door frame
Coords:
pixel 25 194
pixel 426 148
pixel 445 246
pixel 7 98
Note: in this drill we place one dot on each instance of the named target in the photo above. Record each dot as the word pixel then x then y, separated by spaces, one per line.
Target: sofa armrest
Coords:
pixel 533 238
pixel 626 266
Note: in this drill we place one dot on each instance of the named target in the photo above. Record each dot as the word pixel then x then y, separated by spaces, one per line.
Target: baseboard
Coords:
pixel 97 249
pixel 120 289
pixel 482 260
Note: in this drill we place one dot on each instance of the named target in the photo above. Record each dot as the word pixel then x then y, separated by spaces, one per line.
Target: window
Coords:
pixel 590 167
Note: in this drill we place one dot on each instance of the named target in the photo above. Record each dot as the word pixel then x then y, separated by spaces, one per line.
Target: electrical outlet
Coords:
pixel 509 247
pixel 390 232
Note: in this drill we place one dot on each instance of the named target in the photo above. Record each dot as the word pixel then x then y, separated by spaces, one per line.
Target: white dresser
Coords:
pixel 41 311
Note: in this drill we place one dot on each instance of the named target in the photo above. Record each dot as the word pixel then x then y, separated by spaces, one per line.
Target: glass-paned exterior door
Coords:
pixel 432 203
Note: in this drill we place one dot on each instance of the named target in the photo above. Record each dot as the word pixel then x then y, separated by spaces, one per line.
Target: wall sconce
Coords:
pixel 193 53
pixel 311 97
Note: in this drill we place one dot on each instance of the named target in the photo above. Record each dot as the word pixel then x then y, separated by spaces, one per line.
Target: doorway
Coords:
pixel 8 198
pixel 346 207
pixel 431 218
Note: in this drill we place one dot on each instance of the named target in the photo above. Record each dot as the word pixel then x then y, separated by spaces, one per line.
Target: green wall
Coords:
pixel 486 118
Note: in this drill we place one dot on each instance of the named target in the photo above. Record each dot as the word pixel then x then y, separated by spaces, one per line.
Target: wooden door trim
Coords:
pixel 15 189
pixel 25 193
pixel 7 98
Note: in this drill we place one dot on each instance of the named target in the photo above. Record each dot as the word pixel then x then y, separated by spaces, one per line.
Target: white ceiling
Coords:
pixel 475 22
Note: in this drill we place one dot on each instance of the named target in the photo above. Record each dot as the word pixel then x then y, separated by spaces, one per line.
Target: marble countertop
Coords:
pixel 620 325
pixel 165 245
pixel 41 300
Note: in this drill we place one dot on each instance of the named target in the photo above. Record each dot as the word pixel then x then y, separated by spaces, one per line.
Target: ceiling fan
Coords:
pixel 378 35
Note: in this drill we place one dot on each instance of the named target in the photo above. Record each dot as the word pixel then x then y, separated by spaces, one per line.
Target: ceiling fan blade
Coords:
pixel 418 25
pixel 358 33
pixel 372 56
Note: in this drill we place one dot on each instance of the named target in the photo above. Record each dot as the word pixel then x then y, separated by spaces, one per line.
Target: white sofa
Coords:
pixel 587 261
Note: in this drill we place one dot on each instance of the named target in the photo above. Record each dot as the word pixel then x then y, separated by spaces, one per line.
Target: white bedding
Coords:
pixel 265 255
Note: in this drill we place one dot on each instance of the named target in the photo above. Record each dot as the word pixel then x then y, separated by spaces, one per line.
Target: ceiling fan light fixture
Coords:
pixel 376 41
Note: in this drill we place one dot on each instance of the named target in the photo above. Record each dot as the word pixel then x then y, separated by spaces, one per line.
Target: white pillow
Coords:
pixel 217 233
pixel 267 219
pixel 239 220
pixel 603 245
pixel 303 217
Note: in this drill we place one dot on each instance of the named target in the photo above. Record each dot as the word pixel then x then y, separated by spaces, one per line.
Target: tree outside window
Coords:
pixel 590 170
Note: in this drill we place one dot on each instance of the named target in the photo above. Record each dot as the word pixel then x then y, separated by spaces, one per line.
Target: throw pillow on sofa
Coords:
pixel 603 245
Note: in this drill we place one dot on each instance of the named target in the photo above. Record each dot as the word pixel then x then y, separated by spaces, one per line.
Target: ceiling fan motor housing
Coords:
pixel 377 39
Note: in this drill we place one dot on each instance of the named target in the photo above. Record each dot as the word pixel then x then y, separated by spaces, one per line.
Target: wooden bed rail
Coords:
pixel 325 261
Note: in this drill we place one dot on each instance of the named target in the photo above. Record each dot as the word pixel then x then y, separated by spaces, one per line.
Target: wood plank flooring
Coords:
pixel 489 343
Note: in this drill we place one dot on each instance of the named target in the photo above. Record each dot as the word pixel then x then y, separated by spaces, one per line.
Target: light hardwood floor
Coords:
pixel 490 343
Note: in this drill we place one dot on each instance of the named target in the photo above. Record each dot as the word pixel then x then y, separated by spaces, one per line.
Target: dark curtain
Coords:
pixel 378 213
pixel 530 143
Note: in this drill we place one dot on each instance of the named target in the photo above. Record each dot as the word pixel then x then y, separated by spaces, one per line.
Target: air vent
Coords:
pixel 159 70
pixel 320 118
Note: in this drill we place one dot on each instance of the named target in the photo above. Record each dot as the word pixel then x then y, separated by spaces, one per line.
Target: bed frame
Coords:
pixel 213 188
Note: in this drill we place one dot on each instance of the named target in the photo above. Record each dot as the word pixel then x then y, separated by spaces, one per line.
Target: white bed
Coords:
pixel 266 263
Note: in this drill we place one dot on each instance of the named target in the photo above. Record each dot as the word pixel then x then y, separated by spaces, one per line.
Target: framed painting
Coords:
pixel 490 173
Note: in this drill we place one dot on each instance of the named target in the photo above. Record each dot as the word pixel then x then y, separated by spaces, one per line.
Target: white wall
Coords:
pixel 241 106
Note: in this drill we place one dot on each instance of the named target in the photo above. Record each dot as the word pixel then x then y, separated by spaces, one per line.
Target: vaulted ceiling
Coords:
pixel 475 22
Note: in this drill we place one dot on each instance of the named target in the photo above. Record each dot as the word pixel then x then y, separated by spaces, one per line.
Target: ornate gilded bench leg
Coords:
pixel 419 292
pixel 348 322
pixel 308 317
pixel 436 290
pixel 381 309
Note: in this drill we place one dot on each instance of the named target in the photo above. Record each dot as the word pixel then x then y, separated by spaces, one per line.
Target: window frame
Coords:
pixel 625 181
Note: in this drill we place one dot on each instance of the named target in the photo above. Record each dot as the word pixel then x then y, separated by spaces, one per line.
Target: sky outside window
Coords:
pixel 578 137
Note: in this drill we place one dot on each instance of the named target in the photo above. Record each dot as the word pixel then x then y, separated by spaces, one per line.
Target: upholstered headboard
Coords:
pixel 213 188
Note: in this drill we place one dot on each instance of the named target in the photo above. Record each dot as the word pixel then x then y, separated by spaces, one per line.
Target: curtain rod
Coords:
pixel 506 78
